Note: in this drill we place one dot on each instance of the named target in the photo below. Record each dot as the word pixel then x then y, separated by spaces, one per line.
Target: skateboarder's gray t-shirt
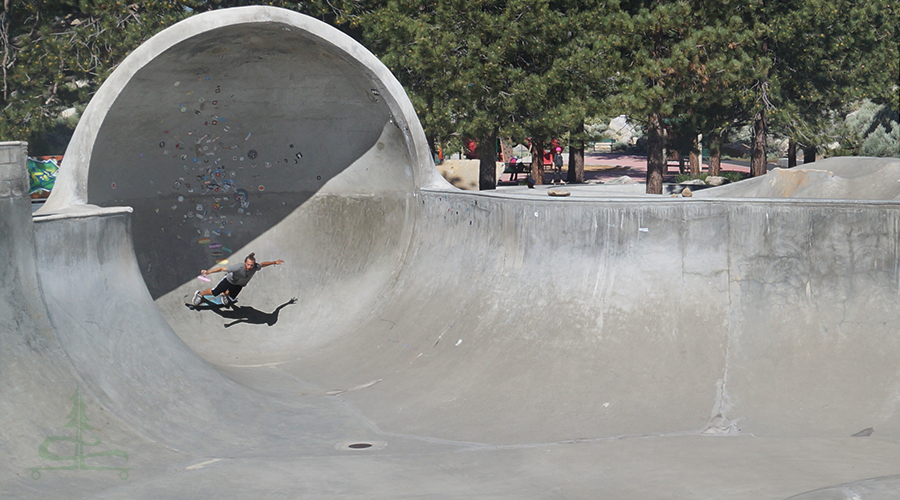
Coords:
pixel 237 275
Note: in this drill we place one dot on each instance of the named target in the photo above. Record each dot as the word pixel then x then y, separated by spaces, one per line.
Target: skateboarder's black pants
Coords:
pixel 233 290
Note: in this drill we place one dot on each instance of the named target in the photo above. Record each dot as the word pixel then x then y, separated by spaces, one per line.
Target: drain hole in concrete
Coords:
pixel 359 446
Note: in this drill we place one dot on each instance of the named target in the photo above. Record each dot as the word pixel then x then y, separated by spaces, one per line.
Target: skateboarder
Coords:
pixel 236 278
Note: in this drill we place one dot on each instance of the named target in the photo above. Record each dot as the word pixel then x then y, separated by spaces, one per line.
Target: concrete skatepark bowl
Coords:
pixel 445 344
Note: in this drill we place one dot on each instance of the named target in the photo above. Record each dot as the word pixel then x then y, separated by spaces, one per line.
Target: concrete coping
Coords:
pixel 540 196
pixel 82 212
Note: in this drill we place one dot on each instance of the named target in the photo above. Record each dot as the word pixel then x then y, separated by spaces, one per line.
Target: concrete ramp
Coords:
pixel 442 344
pixel 839 178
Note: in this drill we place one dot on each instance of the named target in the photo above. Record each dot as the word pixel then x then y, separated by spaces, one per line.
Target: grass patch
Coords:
pixel 728 174
pixel 688 177
pixel 734 176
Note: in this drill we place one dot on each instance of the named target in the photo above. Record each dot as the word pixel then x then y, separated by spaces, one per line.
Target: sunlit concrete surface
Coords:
pixel 443 344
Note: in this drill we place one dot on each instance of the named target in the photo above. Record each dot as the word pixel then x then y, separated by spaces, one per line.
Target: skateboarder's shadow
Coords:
pixel 250 315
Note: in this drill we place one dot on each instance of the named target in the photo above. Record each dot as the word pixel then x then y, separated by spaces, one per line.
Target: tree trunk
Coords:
pixel 537 161
pixel 575 170
pixel 758 147
pixel 656 160
pixel 487 163
pixel 681 164
pixel 792 153
pixel 715 154
pixel 809 154
pixel 695 156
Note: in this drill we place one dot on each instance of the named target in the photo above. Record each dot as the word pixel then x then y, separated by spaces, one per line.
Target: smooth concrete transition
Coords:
pixel 419 341
pixel 831 178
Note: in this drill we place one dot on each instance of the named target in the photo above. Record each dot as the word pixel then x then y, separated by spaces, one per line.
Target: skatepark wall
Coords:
pixel 620 318
pixel 605 320
pixel 626 317
pixel 30 361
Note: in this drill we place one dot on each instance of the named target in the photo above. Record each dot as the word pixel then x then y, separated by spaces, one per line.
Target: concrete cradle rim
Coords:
pixel 72 184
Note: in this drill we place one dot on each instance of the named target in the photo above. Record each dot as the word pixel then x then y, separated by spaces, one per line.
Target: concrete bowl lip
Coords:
pixel 540 197
pixel 72 184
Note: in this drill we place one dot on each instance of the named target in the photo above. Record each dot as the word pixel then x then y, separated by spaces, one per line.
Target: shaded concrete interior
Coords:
pixel 444 344
pixel 226 133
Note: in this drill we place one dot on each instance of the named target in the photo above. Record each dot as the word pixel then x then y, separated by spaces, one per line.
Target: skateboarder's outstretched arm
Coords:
pixel 219 269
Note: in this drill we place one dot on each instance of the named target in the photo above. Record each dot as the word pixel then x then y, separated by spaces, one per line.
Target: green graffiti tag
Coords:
pixel 79 420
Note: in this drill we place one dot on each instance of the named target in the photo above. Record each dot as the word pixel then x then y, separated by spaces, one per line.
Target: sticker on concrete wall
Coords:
pixel 243 197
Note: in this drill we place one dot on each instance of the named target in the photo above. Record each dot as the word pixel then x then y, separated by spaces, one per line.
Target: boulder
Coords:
pixel 716 180
pixel 621 180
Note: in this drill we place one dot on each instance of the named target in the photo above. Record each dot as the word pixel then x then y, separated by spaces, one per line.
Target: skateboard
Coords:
pixel 208 300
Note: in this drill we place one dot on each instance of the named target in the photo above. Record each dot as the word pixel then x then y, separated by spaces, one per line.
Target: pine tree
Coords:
pixel 687 69
pixel 487 68
pixel 80 422
pixel 57 53
pixel 825 56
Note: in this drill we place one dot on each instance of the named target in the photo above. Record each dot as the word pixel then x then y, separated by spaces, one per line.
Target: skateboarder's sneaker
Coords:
pixel 226 301
pixel 197 298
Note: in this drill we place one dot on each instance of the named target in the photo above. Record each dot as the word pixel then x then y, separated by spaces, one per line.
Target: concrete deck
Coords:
pixel 444 344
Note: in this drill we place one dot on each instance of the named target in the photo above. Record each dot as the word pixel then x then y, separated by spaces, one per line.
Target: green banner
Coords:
pixel 42 174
